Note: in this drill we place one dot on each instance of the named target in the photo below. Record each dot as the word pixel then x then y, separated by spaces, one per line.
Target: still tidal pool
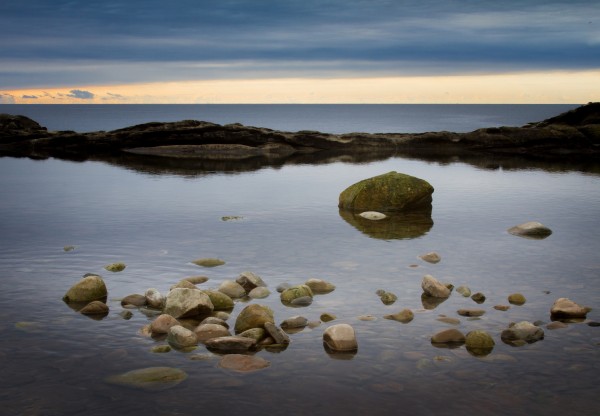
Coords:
pixel 56 361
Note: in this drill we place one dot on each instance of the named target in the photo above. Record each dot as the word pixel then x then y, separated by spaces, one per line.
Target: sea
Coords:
pixel 61 219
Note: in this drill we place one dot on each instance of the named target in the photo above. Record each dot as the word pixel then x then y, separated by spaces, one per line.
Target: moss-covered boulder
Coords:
pixel 479 343
pixel 390 192
pixel 296 292
pixel 253 316
pixel 152 378
pixel 88 289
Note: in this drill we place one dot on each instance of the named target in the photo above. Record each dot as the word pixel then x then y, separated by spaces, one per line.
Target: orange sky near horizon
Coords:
pixel 555 87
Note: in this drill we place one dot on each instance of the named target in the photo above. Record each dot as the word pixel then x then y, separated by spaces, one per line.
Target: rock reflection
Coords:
pixel 431 302
pixel 339 355
pixel 397 226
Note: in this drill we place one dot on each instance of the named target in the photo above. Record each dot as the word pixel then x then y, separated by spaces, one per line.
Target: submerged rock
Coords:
pixel 531 229
pixel 373 215
pixel 404 316
pixel 522 333
pixel 86 290
pixel 243 363
pixel 152 378
pixel 319 286
pixel 390 192
pixel 95 307
pixel 340 338
pixel 208 262
pixel 432 257
pixel 196 280
pixel 448 337
pixel 470 312
pixel 230 344
pixel 397 225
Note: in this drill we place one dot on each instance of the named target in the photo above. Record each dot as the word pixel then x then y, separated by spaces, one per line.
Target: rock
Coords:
pixel 404 316
pixel 214 320
pixel 256 334
pixel 204 332
pixel 432 287
pixel 154 298
pixel 161 349
pixel 152 378
pixel 448 320
pixel 162 324
pixel 470 312
pixel 134 300
pixel 181 337
pixel 390 192
pixel 521 333
pixel 253 316
pixel 301 301
pixel 208 262
pixel 373 215
pixel 230 344
pixel 86 290
pixel 220 301
pixel 95 307
pixel 68 248
pixel 319 286
pixel 277 333
pixel 243 363
pixel 249 281
pixel 564 308
pixel 464 290
pixel 388 298
pixel 340 338
pixel 259 293
pixel 184 284
pixel 283 286
pixel 448 336
pixel 115 267
pixel 232 289
pixel 479 343
pixel 196 280
pixel 516 299
pixel 478 297
pixel 125 314
pixel 294 292
pixel 231 218
pixel 503 308
pixel 327 317
pixel 432 257
pixel 531 229
pixel 182 303
pixel 294 322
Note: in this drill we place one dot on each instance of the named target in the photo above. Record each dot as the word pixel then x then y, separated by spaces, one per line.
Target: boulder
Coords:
pixel 230 344
pixel 479 343
pixel 253 316
pixel 295 292
pixel 95 307
pixel 182 303
pixel 86 290
pixel 434 288
pixel 390 192
pixel 404 316
pixel 134 300
pixel 277 333
pixel 564 308
pixel 220 301
pixel 448 336
pixel 154 298
pixel 162 324
pixel 522 333
pixel 531 229
pixel 152 378
pixel 340 338
pixel 204 332
pixel 181 337
pixel 319 286
pixel 432 257
pixel 232 289
pixel 249 281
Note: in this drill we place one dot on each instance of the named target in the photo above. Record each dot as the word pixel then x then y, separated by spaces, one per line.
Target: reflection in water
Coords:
pixel 397 226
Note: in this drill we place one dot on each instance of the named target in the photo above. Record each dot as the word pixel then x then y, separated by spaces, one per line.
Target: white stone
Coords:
pixel 340 338
pixel 154 298
pixel 373 215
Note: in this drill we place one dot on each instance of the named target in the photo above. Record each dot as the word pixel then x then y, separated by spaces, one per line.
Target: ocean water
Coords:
pixel 56 361
pixel 326 118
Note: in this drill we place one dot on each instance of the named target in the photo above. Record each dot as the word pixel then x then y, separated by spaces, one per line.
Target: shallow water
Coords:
pixel 291 231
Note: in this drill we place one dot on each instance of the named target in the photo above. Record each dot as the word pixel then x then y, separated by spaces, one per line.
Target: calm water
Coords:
pixel 291 231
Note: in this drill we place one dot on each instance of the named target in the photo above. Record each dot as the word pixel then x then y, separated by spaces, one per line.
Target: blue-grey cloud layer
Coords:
pixel 65 42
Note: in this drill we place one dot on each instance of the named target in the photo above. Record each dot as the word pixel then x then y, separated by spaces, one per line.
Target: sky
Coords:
pixel 299 51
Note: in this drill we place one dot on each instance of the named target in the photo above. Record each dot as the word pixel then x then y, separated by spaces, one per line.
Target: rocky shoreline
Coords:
pixel 573 136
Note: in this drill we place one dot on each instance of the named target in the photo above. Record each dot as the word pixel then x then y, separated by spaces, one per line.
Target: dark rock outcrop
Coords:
pixel 572 137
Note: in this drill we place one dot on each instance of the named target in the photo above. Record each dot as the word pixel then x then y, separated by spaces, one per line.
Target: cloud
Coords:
pixel 30 97
pixel 7 99
pixel 81 94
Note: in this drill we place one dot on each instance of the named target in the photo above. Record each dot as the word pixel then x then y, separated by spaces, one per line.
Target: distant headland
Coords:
pixel 571 136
